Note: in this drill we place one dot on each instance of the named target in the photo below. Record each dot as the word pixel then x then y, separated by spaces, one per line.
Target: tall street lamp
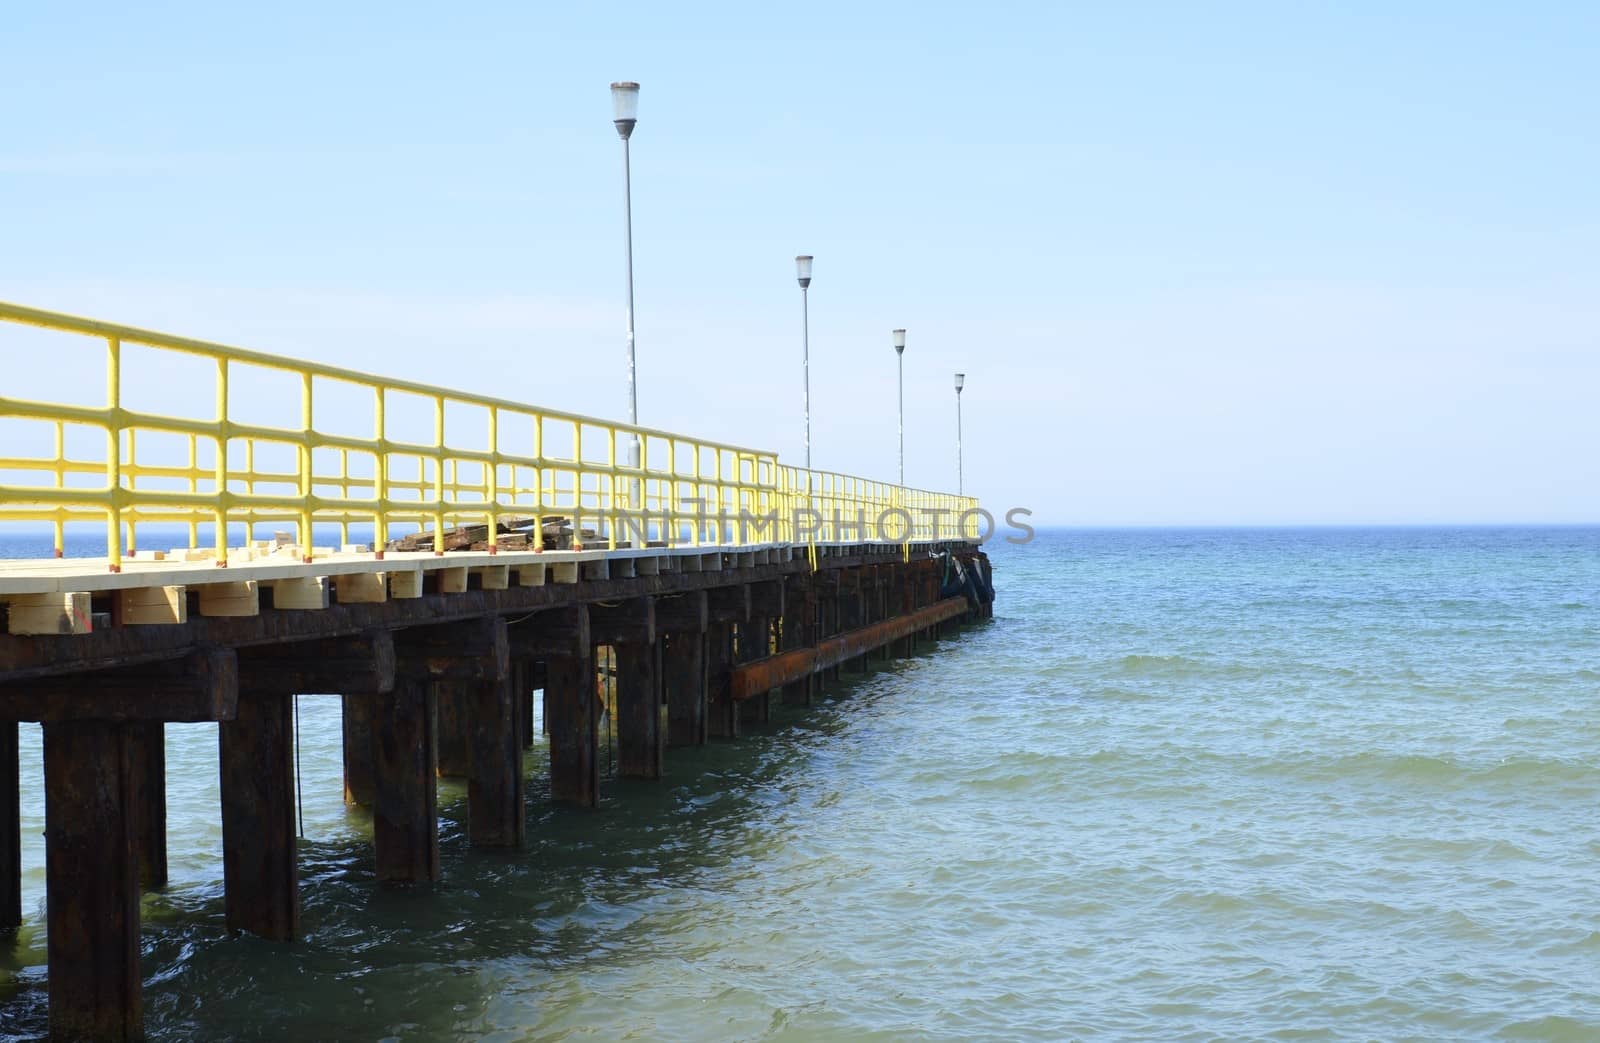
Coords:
pixel 900 360
pixel 961 379
pixel 802 269
pixel 625 112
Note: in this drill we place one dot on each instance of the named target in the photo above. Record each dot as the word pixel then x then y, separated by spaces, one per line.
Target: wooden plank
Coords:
pixel 495 577
pixel 49 614
pixel 92 884
pixel 753 678
pixel 405 815
pixel 452 581
pixel 360 663
pixel 260 873
pixel 202 686
pixel 496 817
pixel 152 606
pixel 241 599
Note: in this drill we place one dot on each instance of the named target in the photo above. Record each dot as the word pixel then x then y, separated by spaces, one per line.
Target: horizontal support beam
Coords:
pixel 766 598
pixel 630 622
pixel 557 632
pixel 336 666
pixel 729 604
pixel 202 686
pixel 683 614
pixel 473 650
pixel 763 675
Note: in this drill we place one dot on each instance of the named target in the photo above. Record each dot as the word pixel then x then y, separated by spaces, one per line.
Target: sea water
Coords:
pixel 1186 785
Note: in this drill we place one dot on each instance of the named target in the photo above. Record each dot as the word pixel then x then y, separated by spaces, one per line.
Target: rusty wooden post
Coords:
pixel 901 602
pixel 522 700
pixel 405 814
pixel 147 743
pixel 684 671
pixel 10 828
pixel 92 882
pixel 726 606
pixel 451 699
pixel 495 813
pixel 629 630
pixel 683 621
pixel 573 715
pixel 355 722
pixel 722 721
pixel 261 878
pixel 799 606
pixel 755 643
pixel 562 640
pixel 640 740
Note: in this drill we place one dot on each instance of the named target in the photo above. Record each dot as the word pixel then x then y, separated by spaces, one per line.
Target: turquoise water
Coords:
pixel 1308 784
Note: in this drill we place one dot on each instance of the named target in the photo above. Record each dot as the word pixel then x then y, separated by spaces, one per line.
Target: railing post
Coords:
pixel 114 453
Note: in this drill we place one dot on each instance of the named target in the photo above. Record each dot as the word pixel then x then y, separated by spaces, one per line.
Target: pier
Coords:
pixel 436 559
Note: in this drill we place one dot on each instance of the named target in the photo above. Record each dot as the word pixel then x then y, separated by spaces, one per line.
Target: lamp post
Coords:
pixel 625 112
pixel 900 360
pixel 961 379
pixel 802 269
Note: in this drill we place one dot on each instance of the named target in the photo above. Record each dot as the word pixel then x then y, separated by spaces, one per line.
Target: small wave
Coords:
pixel 1551 1027
pixel 1177 666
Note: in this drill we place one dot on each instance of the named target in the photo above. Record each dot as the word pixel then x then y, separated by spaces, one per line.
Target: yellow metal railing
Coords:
pixel 486 460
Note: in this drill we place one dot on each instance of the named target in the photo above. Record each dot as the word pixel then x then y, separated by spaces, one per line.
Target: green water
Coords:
pixel 1318 784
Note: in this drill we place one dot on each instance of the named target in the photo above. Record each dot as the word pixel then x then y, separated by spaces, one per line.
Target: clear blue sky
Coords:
pixel 1266 263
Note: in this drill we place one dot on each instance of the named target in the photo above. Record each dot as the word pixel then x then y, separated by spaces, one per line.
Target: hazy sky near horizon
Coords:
pixel 1202 264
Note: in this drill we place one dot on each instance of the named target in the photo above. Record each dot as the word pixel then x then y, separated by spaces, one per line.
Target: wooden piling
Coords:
pixel 683 621
pixel 799 607
pixel 755 643
pixel 573 713
pixel 451 698
pixel 405 816
pixel 684 671
pixel 92 883
pixel 563 640
pixel 496 817
pixel 355 722
pixel 641 743
pixel 722 719
pixel 10 828
pixel 148 764
pixel 260 873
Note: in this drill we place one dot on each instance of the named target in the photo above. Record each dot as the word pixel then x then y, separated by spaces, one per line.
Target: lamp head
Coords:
pixel 961 379
pixel 625 106
pixel 899 342
pixel 802 270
